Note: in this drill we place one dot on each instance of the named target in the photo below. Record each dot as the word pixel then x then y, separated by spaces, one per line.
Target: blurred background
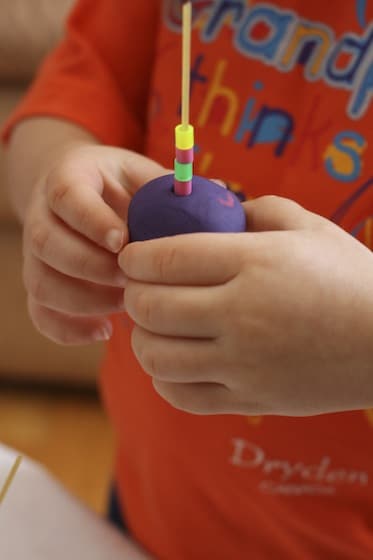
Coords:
pixel 49 408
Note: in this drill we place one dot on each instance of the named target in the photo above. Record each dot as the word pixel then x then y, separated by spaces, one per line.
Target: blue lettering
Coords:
pixel 278 122
pixel 355 46
pixel 363 94
pixel 221 9
pixel 340 144
pixel 265 49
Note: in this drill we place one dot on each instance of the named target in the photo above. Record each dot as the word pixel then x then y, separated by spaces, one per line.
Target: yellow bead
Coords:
pixel 184 137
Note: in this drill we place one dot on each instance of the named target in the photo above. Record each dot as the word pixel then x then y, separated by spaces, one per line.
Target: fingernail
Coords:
pixel 220 183
pixel 104 333
pixel 114 240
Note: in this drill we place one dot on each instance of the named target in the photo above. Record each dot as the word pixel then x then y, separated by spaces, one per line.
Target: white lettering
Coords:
pixel 248 455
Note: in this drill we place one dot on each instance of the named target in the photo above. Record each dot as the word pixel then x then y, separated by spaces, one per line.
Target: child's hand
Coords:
pixel 278 321
pixel 74 228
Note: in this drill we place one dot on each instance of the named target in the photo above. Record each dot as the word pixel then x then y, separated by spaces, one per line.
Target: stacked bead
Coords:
pixel 184 140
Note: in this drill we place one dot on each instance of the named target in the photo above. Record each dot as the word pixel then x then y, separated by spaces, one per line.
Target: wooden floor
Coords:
pixel 67 432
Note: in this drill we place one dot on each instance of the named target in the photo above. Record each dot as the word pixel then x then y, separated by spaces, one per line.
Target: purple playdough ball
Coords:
pixel 156 211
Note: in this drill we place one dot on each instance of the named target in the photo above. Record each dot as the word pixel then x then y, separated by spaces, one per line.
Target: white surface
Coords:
pixel 39 520
pixel 7 460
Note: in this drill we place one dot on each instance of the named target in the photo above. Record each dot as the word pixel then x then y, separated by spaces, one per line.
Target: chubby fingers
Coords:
pixel 175 310
pixel 58 292
pixel 275 213
pixel 202 259
pixel 68 330
pixel 64 250
pixel 197 398
pixel 178 360
pixel 74 194
pixel 187 373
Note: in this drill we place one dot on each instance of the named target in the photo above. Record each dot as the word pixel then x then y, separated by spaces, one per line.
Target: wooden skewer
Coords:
pixel 184 132
pixel 187 40
pixel 10 478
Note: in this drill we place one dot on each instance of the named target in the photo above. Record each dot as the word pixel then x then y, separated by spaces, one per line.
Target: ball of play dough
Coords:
pixel 156 211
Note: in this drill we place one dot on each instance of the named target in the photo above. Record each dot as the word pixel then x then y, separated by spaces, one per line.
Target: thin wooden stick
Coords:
pixel 10 478
pixel 187 40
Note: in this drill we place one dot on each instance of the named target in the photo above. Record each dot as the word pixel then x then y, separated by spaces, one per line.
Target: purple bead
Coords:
pixel 155 210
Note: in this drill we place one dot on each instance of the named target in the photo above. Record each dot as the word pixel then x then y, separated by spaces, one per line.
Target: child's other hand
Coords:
pixel 277 321
pixel 74 228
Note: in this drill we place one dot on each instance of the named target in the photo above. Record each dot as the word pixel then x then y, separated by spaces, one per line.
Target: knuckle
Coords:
pixel 151 364
pixel 266 200
pixel 48 326
pixel 59 336
pixel 143 308
pixel 35 288
pixel 61 200
pixel 40 319
pixel 33 283
pixel 164 261
pixel 146 356
pixel 175 396
pixel 179 401
pixel 271 198
pixel 63 337
pixel 276 200
pixel 82 217
pixel 136 344
pixel 81 264
pixel 292 204
pixel 39 237
pixel 39 323
pixel 57 195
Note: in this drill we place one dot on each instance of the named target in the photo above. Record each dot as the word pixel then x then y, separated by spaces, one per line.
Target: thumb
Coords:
pixel 139 170
pixel 274 213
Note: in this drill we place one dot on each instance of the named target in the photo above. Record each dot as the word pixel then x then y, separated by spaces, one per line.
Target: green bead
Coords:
pixel 183 171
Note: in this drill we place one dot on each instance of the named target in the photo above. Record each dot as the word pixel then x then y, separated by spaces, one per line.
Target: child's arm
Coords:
pixel 70 191
pixel 276 321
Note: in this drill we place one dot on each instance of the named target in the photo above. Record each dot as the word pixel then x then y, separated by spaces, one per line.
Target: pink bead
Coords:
pixel 183 188
pixel 185 156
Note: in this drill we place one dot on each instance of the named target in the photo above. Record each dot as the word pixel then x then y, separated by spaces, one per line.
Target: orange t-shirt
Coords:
pixel 282 96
